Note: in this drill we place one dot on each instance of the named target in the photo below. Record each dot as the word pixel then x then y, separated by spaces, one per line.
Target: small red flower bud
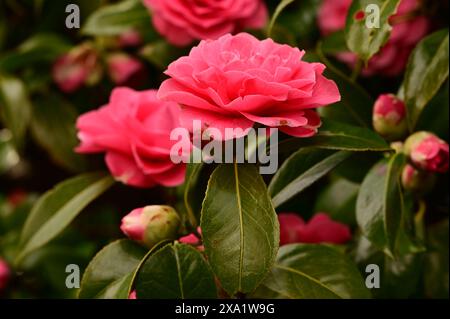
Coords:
pixel 76 68
pixel 126 70
pixel 428 152
pixel 151 224
pixel 389 117
pixel 417 181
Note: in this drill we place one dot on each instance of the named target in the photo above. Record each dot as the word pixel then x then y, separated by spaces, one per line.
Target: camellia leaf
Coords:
pixel 355 106
pixel 161 53
pixel 57 208
pixel 365 39
pixel 379 206
pixel 239 227
pixel 39 48
pixel 312 271
pixel 338 136
pixel 281 6
pixel 176 271
pixel 338 199
pixel 15 107
pixel 301 170
pixel 117 18
pixel 197 175
pixel 426 72
pixel 110 273
pixel 54 129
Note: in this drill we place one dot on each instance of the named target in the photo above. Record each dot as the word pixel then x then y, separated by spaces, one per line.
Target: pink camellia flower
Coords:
pixel 332 15
pixel 151 224
pixel 237 81
pixel 428 152
pixel 76 68
pixel 134 132
pixel 126 70
pixel 389 117
pixel 320 229
pixel 183 21
pixel 407 30
pixel 5 274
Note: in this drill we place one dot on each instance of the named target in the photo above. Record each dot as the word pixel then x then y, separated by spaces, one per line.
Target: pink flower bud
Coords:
pixel 389 117
pixel 192 239
pixel 130 38
pixel 77 67
pixel 320 229
pixel 428 152
pixel 417 181
pixel 5 274
pixel 132 295
pixel 126 70
pixel 151 224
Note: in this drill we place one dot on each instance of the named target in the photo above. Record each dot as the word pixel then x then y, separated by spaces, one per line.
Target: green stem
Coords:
pixel 357 70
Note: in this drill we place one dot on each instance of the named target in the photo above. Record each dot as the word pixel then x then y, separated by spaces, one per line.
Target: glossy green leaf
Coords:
pixel 366 41
pixel 43 47
pixel 435 115
pixel 176 271
pixel 117 18
pixel 356 104
pixel 197 176
pixel 437 261
pixel 312 271
pixel 15 107
pixel 338 199
pixel 301 170
pixel 53 127
pixel 160 53
pixel 339 136
pixel 57 208
pixel 8 155
pixel 380 206
pixel 109 275
pixel 426 72
pixel 239 227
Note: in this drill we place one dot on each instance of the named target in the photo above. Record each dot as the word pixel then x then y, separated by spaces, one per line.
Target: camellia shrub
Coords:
pixel 224 149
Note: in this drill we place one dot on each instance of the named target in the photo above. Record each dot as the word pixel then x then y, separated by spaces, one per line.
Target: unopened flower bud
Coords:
pixel 389 117
pixel 5 274
pixel 132 295
pixel 126 70
pixel 428 152
pixel 151 224
pixel 76 68
pixel 417 181
pixel 130 38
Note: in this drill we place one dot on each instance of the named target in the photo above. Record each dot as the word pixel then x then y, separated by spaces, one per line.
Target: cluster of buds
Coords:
pixel 84 66
pixel 151 224
pixel 427 153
